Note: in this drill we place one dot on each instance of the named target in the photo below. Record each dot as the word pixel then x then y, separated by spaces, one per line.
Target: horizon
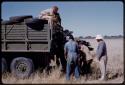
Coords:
pixel 83 18
pixel 105 36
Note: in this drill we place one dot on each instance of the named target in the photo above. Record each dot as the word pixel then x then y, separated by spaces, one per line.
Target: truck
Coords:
pixel 28 44
pixel 25 45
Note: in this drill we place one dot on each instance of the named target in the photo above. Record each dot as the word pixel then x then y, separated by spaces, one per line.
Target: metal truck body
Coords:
pixel 22 44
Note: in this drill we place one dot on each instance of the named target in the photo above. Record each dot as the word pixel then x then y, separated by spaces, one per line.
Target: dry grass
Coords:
pixel 114 69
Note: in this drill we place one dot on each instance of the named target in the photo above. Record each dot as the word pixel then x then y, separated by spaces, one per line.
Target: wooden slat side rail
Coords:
pixel 20 37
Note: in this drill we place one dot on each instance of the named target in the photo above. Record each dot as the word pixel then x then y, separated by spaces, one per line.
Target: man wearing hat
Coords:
pixel 101 54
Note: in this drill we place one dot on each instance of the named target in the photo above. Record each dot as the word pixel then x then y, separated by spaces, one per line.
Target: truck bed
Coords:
pixel 21 38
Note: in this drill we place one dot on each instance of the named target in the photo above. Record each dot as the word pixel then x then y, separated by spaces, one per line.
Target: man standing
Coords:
pixel 71 55
pixel 101 54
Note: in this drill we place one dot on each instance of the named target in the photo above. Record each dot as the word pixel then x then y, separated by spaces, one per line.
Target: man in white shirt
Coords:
pixel 51 15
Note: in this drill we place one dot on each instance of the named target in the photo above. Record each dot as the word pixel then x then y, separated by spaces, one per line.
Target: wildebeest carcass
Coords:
pixel 83 61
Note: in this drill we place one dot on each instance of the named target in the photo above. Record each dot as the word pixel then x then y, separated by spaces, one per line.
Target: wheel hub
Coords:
pixel 21 67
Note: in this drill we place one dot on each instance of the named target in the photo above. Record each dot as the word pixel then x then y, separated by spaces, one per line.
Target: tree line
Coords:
pixel 105 37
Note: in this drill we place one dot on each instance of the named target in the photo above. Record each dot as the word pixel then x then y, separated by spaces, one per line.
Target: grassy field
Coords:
pixel 115 67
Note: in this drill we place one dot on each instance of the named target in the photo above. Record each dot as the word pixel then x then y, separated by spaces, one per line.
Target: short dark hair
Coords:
pixel 55 7
pixel 71 37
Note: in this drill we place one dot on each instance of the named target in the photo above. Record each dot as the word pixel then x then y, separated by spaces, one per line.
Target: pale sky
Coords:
pixel 82 17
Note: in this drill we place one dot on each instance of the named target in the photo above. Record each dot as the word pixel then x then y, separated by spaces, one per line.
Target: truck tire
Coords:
pixel 7 22
pixel 20 18
pixel 4 65
pixel 22 67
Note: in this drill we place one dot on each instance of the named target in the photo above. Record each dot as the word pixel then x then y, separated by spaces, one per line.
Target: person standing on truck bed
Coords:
pixel 51 15
pixel 57 45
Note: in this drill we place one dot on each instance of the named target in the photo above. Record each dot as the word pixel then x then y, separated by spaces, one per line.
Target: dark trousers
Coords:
pixel 62 58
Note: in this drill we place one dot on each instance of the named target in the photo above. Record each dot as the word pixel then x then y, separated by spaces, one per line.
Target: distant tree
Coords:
pixel 113 36
pixel 106 36
pixel 120 36
pixel 81 37
pixel 89 37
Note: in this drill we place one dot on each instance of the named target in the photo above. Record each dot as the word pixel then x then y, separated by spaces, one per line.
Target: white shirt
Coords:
pixel 45 12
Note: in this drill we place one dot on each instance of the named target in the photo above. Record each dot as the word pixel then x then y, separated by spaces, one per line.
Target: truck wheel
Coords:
pixel 22 67
pixel 4 65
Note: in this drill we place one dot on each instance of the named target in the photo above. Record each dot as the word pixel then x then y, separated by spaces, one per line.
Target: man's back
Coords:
pixel 71 47
pixel 101 49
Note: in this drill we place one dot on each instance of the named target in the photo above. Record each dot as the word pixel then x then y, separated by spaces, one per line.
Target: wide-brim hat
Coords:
pixel 99 37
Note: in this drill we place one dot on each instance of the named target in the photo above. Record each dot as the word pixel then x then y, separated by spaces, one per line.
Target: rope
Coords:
pixel 10 29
